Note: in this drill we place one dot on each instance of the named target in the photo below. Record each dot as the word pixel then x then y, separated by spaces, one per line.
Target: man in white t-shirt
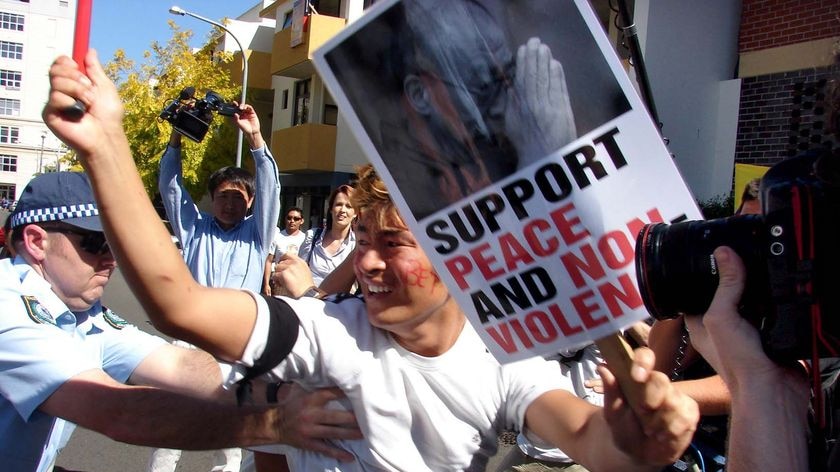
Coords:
pixel 426 393
pixel 286 241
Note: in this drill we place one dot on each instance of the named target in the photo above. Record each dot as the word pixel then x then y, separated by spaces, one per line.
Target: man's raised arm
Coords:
pixel 219 321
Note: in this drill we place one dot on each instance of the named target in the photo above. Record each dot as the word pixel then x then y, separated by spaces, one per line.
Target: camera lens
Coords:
pixel 677 272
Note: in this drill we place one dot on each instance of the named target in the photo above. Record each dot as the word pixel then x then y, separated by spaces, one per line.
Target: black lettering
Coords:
pixel 484 307
pixel 435 230
pixel 516 193
pixel 475 230
pixel 553 182
pixel 489 206
pixel 578 168
pixel 539 284
pixel 616 156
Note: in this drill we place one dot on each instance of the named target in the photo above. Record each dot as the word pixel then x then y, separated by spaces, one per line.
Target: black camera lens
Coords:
pixel 676 270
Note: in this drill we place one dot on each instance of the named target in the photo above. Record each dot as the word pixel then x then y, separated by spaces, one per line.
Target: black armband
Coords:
pixel 283 329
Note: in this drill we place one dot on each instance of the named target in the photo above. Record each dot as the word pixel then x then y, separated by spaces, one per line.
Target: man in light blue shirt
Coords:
pixel 226 249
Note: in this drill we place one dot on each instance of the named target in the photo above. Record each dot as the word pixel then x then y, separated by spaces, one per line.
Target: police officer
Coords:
pixel 66 359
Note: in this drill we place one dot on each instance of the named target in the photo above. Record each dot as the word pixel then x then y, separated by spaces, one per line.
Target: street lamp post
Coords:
pixel 41 154
pixel 176 10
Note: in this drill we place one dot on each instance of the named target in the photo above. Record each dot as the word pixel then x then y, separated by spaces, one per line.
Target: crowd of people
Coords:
pixel 277 357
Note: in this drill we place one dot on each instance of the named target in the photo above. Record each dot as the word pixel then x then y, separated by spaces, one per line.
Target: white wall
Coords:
pixel 690 49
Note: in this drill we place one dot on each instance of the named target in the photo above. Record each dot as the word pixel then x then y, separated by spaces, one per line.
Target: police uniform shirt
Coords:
pixel 42 345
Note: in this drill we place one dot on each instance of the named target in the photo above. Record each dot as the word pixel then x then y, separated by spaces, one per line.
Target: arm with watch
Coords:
pixel 293 273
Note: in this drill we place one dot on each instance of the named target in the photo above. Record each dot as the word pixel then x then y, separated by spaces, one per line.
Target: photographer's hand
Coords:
pixel 175 139
pixel 769 401
pixel 246 119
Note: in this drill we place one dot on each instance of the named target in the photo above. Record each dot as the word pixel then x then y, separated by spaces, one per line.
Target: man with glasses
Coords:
pixel 65 359
pixel 286 241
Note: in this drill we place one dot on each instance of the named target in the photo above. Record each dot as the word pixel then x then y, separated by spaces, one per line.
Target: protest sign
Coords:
pixel 518 153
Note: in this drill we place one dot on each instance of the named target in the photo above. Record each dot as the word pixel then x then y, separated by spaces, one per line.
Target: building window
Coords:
pixel 10 79
pixel 7 191
pixel 9 107
pixel 300 114
pixel 8 163
pixel 11 50
pixel 9 134
pixel 285 100
pixel 330 115
pixel 287 19
pixel 11 21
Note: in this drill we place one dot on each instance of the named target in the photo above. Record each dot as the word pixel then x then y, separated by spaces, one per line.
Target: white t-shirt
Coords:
pixel 320 262
pixel 283 243
pixel 416 413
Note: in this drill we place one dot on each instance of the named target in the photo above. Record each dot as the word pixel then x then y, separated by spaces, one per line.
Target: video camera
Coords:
pixel 791 254
pixel 192 117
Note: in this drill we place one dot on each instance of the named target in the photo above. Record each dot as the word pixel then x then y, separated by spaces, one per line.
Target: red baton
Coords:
pixel 81 40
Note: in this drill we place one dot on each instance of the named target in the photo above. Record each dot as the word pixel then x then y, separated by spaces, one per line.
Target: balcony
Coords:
pixel 305 148
pixel 258 69
pixel 296 62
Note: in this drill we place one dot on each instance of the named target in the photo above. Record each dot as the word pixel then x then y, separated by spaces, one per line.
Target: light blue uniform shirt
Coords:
pixel 43 345
pixel 218 258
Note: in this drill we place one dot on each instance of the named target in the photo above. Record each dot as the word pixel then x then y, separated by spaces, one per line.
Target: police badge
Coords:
pixel 113 319
pixel 36 311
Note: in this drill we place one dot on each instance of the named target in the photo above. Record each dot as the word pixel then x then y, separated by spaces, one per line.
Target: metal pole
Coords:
pixel 41 154
pixel 180 11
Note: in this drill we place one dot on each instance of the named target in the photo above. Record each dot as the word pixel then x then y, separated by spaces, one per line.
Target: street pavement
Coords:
pixel 88 451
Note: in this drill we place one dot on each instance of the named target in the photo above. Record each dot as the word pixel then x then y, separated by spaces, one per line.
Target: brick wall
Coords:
pixel 772 23
pixel 782 114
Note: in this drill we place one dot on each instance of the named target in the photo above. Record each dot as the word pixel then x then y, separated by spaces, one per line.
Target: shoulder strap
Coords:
pixel 315 237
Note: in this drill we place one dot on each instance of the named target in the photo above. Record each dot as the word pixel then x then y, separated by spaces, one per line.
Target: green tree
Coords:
pixel 147 88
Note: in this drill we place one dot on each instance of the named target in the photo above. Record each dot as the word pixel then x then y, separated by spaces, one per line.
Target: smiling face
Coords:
pixel 77 276
pixel 400 286
pixel 230 204
pixel 342 211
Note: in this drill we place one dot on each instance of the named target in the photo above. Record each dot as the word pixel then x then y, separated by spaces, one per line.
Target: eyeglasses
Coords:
pixel 92 242
pixel 294 218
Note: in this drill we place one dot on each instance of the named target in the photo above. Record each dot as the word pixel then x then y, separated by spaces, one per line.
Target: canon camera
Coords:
pixel 791 253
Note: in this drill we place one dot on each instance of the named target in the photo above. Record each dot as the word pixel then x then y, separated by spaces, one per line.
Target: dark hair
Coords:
pixel 346 190
pixel 297 209
pixel 232 175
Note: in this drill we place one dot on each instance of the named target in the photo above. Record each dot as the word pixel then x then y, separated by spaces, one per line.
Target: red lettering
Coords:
pixel 569 226
pixel 635 225
pixel 513 252
pixel 501 334
pixel 540 326
pixel 534 242
pixel 628 295
pixel 619 253
pixel 586 310
pixel 459 267
pixel 523 335
pixel 589 265
pixel 485 261
pixel 562 322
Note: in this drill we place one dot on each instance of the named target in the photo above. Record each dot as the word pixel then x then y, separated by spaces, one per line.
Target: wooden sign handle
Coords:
pixel 619 357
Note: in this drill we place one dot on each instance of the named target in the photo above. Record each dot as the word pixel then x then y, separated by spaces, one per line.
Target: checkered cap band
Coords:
pixel 41 215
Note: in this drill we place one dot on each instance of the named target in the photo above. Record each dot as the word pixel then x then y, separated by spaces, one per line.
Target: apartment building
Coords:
pixel 32 34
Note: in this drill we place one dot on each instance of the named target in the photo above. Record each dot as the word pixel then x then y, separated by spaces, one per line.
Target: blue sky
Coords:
pixel 133 24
